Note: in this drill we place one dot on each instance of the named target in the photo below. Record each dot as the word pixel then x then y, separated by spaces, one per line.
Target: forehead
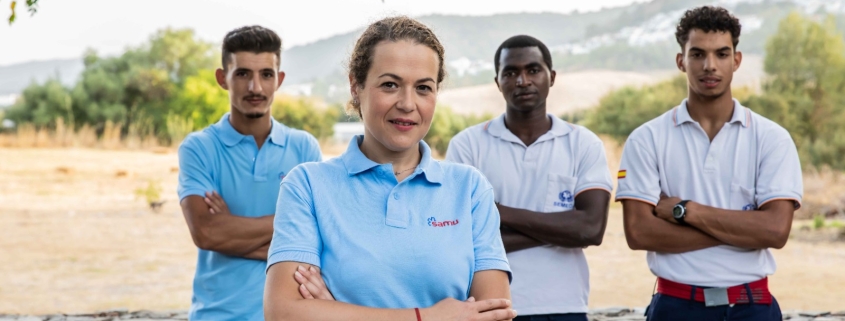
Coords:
pixel 515 57
pixel 405 59
pixel 253 61
pixel 713 40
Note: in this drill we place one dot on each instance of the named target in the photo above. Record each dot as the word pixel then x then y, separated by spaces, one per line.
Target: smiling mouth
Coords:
pixel 403 123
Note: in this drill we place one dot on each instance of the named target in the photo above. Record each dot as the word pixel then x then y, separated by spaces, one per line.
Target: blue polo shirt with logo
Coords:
pixel 220 159
pixel 387 244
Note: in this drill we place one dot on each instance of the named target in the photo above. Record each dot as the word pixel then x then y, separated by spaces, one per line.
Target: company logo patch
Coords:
pixel 622 174
pixel 566 199
pixel 434 223
pixel 749 207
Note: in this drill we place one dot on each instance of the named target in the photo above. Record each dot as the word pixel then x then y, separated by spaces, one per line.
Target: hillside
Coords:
pixel 636 38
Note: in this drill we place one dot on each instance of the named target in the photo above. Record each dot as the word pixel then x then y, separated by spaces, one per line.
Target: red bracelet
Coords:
pixel 417 311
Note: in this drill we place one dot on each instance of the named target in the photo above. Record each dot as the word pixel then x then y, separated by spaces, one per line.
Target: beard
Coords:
pixel 254 115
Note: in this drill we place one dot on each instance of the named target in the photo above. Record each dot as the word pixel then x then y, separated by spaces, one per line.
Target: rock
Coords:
pixel 814 314
pixel 611 312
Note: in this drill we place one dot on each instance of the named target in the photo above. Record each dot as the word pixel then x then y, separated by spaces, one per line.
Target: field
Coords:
pixel 74 237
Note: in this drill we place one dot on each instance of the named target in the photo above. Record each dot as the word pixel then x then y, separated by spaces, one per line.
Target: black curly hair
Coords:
pixel 707 19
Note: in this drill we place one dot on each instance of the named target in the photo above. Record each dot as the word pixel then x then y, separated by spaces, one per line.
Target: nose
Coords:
pixel 255 84
pixel 522 80
pixel 406 101
pixel 710 63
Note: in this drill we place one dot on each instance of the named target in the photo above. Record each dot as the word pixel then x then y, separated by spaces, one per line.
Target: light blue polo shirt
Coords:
pixel 218 158
pixel 385 244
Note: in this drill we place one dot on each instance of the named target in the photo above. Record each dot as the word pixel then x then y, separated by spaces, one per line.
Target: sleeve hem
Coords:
pixel 191 192
pixel 306 257
pixel 592 187
pixel 636 198
pixel 796 200
pixel 494 264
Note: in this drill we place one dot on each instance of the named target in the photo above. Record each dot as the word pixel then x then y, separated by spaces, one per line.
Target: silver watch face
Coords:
pixel 678 211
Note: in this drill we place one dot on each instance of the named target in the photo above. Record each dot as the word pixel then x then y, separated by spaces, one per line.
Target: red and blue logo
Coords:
pixel 434 223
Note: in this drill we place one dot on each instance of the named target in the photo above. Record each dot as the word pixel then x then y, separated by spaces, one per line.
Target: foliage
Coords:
pixel 31 6
pixel 804 93
pixel 201 99
pixel 307 114
pixel 151 194
pixel 446 124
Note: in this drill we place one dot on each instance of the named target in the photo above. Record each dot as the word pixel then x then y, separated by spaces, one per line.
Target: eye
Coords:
pixel 390 85
pixel 508 73
pixel 268 75
pixel 425 88
pixel 240 74
pixel 533 71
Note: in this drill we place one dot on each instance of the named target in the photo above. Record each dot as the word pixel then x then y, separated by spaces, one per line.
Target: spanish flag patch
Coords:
pixel 622 174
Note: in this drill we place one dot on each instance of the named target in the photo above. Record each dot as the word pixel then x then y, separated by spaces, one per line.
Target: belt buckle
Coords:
pixel 715 297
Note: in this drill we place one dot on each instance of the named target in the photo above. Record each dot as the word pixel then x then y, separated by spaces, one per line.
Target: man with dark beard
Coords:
pixel 229 179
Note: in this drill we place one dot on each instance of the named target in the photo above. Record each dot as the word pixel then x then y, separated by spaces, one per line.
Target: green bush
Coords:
pixel 308 114
pixel 446 124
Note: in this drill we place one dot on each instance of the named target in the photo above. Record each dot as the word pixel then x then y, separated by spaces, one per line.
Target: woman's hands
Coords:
pixel 312 286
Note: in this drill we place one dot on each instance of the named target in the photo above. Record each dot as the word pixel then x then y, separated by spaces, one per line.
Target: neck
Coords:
pixel 258 128
pixel 528 126
pixel 401 160
pixel 710 110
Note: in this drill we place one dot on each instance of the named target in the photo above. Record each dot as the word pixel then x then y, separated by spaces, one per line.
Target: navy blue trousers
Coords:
pixel 667 308
pixel 553 317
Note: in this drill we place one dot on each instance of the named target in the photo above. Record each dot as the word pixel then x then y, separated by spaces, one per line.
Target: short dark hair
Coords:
pixel 707 18
pixel 255 39
pixel 523 41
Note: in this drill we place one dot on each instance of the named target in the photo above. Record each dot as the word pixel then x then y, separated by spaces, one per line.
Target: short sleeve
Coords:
pixel 638 178
pixel 458 150
pixel 487 240
pixel 593 172
pixel 779 176
pixel 194 170
pixel 296 237
pixel 314 154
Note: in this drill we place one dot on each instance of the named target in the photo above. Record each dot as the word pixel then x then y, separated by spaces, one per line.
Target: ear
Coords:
pixel 281 77
pixel 220 74
pixel 553 74
pixel 353 87
pixel 737 59
pixel 679 61
pixel 496 80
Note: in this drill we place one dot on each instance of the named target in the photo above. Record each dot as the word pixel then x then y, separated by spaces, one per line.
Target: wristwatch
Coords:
pixel 679 212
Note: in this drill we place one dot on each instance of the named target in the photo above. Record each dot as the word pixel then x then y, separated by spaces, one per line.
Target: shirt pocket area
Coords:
pixel 742 199
pixel 560 193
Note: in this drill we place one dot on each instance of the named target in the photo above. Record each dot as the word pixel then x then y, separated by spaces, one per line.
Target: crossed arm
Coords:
pixel 214 228
pixel 653 228
pixel 581 227
pixel 292 288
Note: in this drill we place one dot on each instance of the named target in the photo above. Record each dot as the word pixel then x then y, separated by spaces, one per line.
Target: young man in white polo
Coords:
pixel 551 183
pixel 708 187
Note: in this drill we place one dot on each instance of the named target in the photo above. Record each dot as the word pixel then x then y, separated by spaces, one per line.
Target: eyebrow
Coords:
pixel 396 77
pixel 699 49
pixel 529 65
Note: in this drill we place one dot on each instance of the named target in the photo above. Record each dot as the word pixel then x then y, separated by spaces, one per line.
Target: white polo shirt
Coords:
pixel 751 161
pixel 543 177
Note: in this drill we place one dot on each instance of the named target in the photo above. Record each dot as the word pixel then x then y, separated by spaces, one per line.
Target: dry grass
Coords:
pixel 76 239
pixel 28 136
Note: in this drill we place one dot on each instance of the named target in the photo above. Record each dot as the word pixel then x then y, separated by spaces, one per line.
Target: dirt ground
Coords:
pixel 74 238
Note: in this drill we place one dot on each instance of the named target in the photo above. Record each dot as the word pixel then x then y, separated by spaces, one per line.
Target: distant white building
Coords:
pixel 343 132
pixel 8 100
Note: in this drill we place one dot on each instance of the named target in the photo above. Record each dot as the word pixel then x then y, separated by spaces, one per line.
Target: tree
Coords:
pixel 805 91
pixel 31 6
pixel 307 114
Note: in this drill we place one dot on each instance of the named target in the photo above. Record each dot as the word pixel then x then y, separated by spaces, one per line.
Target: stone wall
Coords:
pixel 607 314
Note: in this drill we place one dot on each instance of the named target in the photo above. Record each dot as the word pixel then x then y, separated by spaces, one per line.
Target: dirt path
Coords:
pixel 74 239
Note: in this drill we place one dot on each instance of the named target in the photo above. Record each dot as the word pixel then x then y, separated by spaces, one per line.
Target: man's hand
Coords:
pixel 664 208
pixel 311 285
pixel 216 205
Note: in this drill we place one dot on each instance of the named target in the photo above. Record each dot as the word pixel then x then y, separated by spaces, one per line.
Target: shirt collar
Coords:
pixel 497 128
pixel 356 162
pixel 740 114
pixel 232 137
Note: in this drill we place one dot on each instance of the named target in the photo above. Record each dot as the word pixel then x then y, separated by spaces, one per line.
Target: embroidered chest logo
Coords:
pixel 434 223
pixel 749 207
pixel 566 199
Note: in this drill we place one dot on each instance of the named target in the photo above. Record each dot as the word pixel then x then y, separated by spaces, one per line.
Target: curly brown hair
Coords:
pixel 707 19
pixel 391 29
